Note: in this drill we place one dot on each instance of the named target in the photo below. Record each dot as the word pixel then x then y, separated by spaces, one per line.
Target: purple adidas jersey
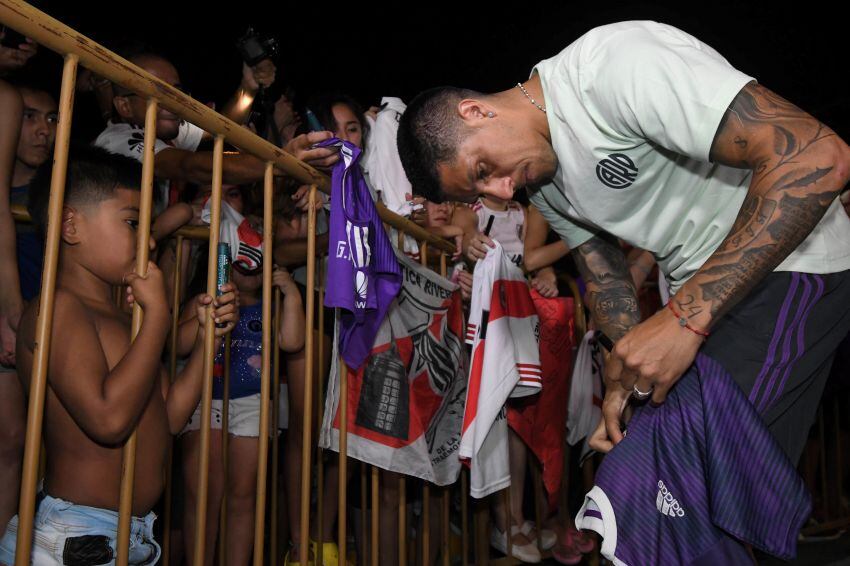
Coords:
pixel 693 477
pixel 363 272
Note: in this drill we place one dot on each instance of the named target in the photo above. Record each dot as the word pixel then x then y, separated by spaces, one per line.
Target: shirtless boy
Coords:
pixel 102 386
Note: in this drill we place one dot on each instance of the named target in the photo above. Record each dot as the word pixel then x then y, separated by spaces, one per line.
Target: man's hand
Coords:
pixel 608 433
pixel 225 310
pixel 478 246
pixel 12 59
pixel 302 148
pixel 260 75
pixel 652 355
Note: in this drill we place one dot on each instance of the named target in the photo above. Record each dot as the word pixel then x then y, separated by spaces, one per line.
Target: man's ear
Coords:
pixel 474 111
pixel 70 225
pixel 122 106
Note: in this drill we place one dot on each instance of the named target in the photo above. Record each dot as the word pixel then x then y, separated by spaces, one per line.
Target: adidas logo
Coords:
pixel 666 504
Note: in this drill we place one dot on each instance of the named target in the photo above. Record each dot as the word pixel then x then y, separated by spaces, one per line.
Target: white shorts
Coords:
pixel 243 417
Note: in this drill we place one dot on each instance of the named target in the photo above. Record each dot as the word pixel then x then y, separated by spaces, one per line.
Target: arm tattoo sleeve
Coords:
pixel 610 296
pixel 796 176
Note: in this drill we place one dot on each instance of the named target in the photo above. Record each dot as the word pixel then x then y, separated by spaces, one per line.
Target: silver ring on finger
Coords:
pixel 641 395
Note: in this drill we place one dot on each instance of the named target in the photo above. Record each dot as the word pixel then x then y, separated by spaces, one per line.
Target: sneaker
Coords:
pixel 548 538
pixel 528 553
pixel 330 553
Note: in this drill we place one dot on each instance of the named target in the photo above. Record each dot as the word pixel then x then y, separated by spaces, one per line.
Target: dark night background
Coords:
pixel 372 50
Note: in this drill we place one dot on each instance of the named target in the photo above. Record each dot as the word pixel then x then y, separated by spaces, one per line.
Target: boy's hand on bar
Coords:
pixel 148 291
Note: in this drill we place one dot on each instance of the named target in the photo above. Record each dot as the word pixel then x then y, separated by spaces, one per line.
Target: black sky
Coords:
pixel 371 50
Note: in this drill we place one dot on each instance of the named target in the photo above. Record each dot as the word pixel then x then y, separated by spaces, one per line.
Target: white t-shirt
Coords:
pixel 507 228
pixel 633 108
pixel 128 140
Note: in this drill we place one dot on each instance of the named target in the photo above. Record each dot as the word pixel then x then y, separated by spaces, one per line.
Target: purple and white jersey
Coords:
pixel 363 273
pixel 693 477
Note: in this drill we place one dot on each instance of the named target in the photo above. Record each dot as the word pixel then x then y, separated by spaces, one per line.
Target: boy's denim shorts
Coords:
pixel 65 533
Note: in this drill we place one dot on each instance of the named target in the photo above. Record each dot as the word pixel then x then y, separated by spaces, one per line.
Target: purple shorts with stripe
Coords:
pixel 778 345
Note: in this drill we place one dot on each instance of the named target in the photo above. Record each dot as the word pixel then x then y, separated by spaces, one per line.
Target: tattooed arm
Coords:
pixel 611 297
pixel 799 167
pixel 612 301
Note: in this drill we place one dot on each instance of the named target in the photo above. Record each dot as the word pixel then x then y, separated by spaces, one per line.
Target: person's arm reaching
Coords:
pixel 183 395
pixel 290 335
pixel 238 108
pixel 239 168
pixel 171 219
pixel 537 254
pixel 292 252
pixel 799 167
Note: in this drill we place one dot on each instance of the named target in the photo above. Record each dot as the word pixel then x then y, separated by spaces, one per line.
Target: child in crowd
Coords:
pixel 489 219
pixel 243 417
pixel 102 386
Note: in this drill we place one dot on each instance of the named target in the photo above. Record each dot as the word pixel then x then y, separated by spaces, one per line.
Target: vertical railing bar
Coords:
pixel 365 524
pixel 320 461
pixel 44 324
pixel 375 515
pixel 426 488
pixel 839 464
pixel 446 502
pixel 273 523
pixel 128 468
pixel 265 383
pixel 225 453
pixel 464 517
pixel 307 431
pixel 172 373
pixel 209 356
pixel 445 521
pixel 508 521
pixel 343 454
pixel 402 520
pixel 823 477
pixel 426 523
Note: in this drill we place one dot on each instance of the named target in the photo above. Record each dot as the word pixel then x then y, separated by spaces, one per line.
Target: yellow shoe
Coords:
pixel 330 553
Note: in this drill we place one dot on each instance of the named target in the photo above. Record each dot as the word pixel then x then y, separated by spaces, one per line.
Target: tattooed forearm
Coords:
pixel 795 161
pixel 611 295
pixel 688 306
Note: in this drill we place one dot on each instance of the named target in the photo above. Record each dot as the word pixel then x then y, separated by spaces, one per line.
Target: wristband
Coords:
pixel 683 322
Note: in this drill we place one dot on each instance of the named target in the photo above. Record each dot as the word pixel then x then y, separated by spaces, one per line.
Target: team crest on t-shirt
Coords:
pixel 617 171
